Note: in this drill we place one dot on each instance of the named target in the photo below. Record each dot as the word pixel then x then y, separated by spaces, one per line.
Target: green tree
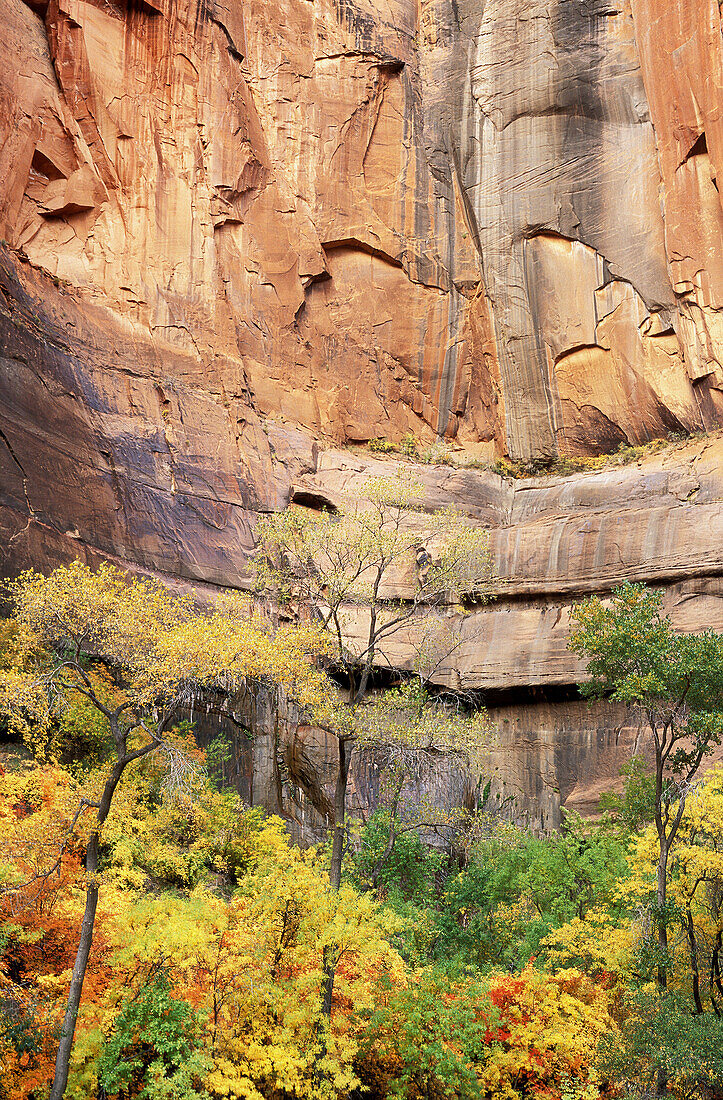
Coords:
pixel 403 871
pixel 662 1041
pixel 516 888
pixel 153 1050
pixel 675 682
pixel 428 1038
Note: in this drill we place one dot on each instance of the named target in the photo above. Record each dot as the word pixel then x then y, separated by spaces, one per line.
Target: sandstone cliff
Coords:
pixel 239 235
pixel 498 221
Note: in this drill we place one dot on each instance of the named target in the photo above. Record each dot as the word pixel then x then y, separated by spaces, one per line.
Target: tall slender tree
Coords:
pixel 373 573
pixel 161 652
pixel 675 684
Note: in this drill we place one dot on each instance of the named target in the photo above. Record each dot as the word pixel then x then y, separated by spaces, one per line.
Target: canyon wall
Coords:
pixel 237 236
pixel 554 541
pixel 494 221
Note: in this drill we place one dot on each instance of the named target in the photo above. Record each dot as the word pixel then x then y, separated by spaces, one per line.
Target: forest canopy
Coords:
pixel 225 961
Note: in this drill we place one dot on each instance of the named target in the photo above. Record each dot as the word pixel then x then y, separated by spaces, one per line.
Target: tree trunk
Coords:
pixel 661 899
pixel 337 845
pixel 67 1033
pixel 661 1084
pixel 715 971
pixel 337 855
pixel 329 965
pixel 693 947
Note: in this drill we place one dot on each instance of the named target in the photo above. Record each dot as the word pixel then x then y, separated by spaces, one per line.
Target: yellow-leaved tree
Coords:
pixel 158 652
pixel 675 1034
pixel 250 968
pixel 695 892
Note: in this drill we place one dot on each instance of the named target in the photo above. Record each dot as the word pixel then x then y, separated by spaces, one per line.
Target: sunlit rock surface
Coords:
pixel 498 221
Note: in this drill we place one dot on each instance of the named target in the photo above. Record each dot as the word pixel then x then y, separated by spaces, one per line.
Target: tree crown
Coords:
pixel 635 656
pixel 162 649
pixel 365 570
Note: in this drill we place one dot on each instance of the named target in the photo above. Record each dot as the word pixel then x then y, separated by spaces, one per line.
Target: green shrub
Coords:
pixel 151 1053
pixel 662 1037
pixel 405 1049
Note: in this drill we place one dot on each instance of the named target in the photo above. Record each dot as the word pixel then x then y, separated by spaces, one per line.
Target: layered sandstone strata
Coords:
pixel 555 541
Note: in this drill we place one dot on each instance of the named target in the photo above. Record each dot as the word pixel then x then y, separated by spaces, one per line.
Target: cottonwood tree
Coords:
pixel 370 574
pixel 160 652
pixel 675 683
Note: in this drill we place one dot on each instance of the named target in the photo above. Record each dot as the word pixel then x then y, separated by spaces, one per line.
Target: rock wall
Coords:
pixel 555 541
pixel 236 236
pixel 497 221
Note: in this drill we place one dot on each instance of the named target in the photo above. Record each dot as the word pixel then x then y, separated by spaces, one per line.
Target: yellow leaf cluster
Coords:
pixel 548 1034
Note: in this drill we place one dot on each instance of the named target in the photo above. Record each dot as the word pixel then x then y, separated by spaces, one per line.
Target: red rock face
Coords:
pixel 251 190
pixel 236 234
pixel 682 62
pixel 375 218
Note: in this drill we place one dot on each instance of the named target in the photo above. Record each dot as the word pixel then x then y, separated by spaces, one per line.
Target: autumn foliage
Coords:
pixel 193 990
pixel 509 967
pixel 206 970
